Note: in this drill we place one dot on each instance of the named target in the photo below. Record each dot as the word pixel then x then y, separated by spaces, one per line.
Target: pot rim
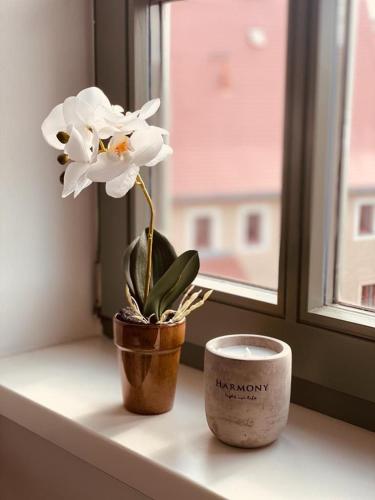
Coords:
pixel 148 325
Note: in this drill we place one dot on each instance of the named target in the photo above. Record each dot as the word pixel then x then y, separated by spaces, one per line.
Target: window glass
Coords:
pixel 356 252
pixel 226 80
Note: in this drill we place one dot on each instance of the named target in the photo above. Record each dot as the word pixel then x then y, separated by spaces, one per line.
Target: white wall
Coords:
pixel 47 245
pixel 32 468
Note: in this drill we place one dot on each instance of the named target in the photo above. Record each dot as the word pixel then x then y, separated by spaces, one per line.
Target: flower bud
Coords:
pixel 63 137
pixel 63 159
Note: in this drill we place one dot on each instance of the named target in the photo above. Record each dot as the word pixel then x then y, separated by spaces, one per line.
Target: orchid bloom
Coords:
pixel 91 109
pixel 119 166
pixel 80 124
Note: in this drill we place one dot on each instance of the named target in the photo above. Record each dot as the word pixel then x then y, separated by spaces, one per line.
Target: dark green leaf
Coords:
pixel 128 258
pixel 173 282
pixel 163 255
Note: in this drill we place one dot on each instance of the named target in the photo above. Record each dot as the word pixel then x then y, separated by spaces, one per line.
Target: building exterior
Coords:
pixel 227 67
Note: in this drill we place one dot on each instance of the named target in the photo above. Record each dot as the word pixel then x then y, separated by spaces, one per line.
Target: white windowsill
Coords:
pixel 70 395
pixel 236 289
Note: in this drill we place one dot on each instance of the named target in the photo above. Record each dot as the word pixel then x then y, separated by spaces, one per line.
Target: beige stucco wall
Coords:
pixel 260 263
pixel 356 261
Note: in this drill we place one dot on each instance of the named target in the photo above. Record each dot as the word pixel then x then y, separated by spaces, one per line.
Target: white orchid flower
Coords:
pixel 89 118
pixel 137 119
pixel 119 166
pixel 89 110
pixel 82 151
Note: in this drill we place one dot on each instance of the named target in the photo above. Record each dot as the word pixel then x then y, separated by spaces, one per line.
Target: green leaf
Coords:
pixel 174 281
pixel 128 258
pixel 163 255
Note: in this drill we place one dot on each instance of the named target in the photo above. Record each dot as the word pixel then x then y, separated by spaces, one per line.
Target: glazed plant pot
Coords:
pixel 148 357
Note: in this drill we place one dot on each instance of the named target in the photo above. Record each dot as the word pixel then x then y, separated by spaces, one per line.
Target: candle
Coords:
pixel 247 388
pixel 245 351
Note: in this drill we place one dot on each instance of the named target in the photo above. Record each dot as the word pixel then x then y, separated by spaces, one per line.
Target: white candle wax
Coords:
pixel 246 351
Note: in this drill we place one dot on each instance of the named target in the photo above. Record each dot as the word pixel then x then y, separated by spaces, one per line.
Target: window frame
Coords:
pixel 326 350
pixel 327 156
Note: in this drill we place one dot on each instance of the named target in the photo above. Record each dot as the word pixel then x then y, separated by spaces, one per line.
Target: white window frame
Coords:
pixel 243 212
pixel 330 125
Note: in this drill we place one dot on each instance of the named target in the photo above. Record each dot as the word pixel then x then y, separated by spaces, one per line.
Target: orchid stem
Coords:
pixel 150 236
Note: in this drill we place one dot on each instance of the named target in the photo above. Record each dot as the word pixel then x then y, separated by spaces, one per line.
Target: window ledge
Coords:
pixel 237 289
pixel 355 317
pixel 70 395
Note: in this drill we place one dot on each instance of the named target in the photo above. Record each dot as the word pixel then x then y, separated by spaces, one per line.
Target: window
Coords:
pixel 368 296
pixel 227 153
pixel 271 125
pixel 355 256
pixel 202 226
pixel 202 231
pixel 365 221
pixel 252 232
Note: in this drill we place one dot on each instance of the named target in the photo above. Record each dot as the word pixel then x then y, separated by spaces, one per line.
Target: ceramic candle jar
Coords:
pixel 247 388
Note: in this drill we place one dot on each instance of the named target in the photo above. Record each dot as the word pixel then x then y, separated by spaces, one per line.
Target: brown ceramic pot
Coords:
pixel 148 356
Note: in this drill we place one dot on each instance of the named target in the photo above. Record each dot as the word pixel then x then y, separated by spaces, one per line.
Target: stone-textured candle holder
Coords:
pixel 247 400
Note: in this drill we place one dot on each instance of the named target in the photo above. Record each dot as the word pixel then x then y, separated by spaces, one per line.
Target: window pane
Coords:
pixel 226 111
pixel 357 242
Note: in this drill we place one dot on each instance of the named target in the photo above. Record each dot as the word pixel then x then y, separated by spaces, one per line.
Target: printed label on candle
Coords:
pixel 241 391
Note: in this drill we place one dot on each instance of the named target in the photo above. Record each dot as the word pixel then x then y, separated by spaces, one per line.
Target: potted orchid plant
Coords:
pixel 99 142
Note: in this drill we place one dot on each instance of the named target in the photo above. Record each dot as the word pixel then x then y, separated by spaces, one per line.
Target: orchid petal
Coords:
pixel 149 109
pixel 77 148
pixel 161 131
pixel 117 108
pixel 162 155
pixel 85 112
pixel 146 144
pixel 94 146
pixel 70 111
pixel 119 186
pixel 105 168
pixel 106 132
pixel 72 177
pixel 129 126
pixel 95 97
pixel 82 184
pixel 53 124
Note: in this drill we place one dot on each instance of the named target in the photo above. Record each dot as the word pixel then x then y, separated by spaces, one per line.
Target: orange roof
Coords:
pixel 227 97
